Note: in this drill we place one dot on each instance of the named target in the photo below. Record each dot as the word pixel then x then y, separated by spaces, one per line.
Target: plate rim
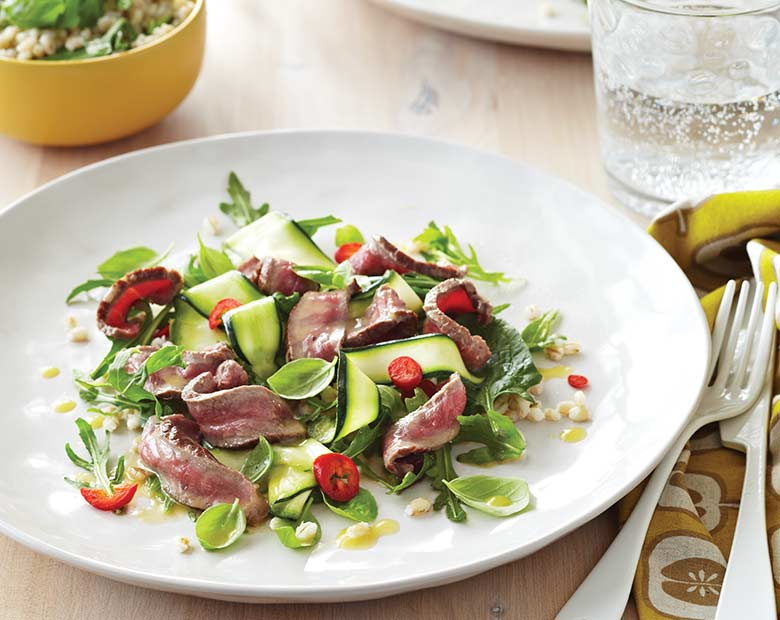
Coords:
pixel 377 589
pixel 564 40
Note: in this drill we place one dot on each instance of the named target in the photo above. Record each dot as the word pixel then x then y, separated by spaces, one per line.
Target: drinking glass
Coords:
pixel 688 95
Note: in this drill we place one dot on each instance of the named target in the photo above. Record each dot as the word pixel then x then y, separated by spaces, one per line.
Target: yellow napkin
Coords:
pixel 684 556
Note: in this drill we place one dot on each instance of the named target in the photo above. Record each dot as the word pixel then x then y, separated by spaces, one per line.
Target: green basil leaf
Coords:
pixel 362 507
pixel 538 333
pixel 348 234
pixel 287 529
pixel 87 286
pixel 311 226
pixel 220 526
pixel 302 378
pixel 241 210
pixel 510 370
pixel 499 436
pixel 125 261
pixel 213 262
pixel 258 461
pixel 500 497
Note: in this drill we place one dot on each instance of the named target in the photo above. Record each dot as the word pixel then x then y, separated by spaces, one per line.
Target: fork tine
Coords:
pixel 752 334
pixel 764 348
pixel 727 354
pixel 721 323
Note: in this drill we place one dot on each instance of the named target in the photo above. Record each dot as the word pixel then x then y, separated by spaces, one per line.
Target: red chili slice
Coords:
pixel 98 498
pixel 405 373
pixel 163 332
pixel 337 475
pixel 222 306
pixel 455 301
pixel 578 381
pixel 345 251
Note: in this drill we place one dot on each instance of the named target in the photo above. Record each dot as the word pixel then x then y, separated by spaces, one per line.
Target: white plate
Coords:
pixel 641 326
pixel 558 24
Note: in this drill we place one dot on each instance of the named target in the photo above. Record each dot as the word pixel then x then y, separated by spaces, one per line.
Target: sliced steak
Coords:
pixel 189 473
pixel 317 324
pixel 379 255
pixel 236 417
pixel 275 275
pixel 168 383
pixel 473 349
pixel 424 429
pixel 156 285
pixel 387 318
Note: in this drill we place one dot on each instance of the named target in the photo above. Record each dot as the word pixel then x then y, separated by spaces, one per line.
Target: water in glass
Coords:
pixel 688 97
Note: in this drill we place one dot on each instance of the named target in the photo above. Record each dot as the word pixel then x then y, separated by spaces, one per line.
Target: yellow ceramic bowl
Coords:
pixel 76 102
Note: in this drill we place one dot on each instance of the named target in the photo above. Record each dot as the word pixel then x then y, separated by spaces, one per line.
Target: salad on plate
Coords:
pixel 266 380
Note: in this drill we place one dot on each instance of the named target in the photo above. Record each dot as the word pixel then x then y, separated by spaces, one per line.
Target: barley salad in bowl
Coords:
pixel 389 378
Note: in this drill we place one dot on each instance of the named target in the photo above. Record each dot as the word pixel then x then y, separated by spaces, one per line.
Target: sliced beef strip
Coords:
pixel 168 383
pixel 379 255
pixel 236 417
pixel 157 285
pixel 317 324
pixel 190 474
pixel 427 428
pixel 387 318
pixel 473 349
pixel 275 275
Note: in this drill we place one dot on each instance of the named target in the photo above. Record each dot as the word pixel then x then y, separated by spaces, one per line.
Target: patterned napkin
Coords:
pixel 684 556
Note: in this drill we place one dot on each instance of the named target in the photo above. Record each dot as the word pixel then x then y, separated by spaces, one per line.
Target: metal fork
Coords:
pixel 737 380
pixel 748 586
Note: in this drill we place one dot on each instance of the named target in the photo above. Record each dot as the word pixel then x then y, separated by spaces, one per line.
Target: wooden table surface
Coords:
pixel 347 64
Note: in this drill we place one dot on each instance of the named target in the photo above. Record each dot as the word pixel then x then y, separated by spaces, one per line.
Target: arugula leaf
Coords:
pixel 363 439
pixel 339 277
pixel 510 370
pixel 241 210
pixel 118 38
pixel 118 265
pixel 193 274
pixel 436 244
pixel 411 477
pixel 391 402
pixel 416 401
pixel 500 308
pixel 348 234
pixel 212 262
pixel 538 333
pixel 442 470
pixel 500 438
pixel 312 225
pixel 98 461
pixel 155 490
pixel 285 303
pixel 420 284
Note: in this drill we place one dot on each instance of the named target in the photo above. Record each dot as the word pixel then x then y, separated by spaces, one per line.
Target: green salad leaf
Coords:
pixel 155 490
pixel 241 210
pixel 220 526
pixel 302 378
pixel 285 303
pixel 213 262
pixel 348 234
pixel 441 471
pixel 362 507
pixel 98 461
pixel 363 438
pixel 118 265
pixel 117 39
pixel 258 461
pixel 510 370
pixel 312 225
pixel 538 334
pixel 499 497
pixel 500 438
pixel 391 402
pixel 440 244
pixel 287 530
pixel 415 402
pixel 411 477
pixel 40 13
